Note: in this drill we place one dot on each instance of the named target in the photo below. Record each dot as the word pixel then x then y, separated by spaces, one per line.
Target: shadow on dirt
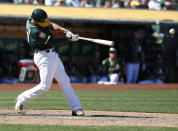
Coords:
pixel 60 115
pixel 118 116
pixel 34 115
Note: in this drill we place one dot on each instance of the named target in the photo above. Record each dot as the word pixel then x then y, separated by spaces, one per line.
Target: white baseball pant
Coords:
pixel 50 66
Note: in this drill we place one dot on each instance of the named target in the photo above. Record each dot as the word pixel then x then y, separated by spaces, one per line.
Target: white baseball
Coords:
pixel 172 31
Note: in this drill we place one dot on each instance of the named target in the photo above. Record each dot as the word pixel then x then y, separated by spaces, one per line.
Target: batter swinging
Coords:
pixel 40 37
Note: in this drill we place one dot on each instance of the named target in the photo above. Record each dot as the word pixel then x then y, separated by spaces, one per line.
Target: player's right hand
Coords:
pixel 71 36
pixel 74 37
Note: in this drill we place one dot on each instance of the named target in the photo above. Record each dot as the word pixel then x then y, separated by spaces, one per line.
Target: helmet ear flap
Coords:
pixel 44 24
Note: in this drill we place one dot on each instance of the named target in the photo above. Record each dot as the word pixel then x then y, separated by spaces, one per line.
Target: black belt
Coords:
pixel 46 51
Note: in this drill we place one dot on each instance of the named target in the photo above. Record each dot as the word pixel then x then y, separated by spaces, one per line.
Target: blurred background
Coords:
pixel 139 28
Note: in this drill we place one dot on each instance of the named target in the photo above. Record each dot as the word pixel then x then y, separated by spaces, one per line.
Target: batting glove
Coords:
pixel 74 37
pixel 71 36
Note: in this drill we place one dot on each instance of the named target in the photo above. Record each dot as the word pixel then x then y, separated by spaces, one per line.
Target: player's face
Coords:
pixel 34 21
pixel 113 55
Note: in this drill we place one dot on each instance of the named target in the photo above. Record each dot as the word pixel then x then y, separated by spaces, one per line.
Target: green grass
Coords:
pixel 165 101
pixel 79 128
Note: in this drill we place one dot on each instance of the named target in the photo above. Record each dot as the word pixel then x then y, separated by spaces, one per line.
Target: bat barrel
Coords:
pixel 98 41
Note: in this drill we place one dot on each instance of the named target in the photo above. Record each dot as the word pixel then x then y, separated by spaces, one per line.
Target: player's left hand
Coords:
pixel 69 34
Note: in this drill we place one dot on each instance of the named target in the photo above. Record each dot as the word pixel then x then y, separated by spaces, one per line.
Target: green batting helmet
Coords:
pixel 41 17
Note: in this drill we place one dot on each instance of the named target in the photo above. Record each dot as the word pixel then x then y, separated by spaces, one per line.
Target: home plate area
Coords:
pixel 92 118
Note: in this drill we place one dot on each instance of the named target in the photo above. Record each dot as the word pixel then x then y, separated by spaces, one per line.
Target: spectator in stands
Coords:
pixel 50 2
pixel 108 4
pixel 38 2
pixel 144 4
pixel 16 1
pixel 134 4
pixel 87 3
pixel 134 57
pixel 170 5
pixel 28 1
pixel 111 68
pixel 138 4
pixel 23 1
pixel 60 3
pixel 94 68
pixel 117 3
pixel 154 4
pixel 100 3
pixel 10 1
pixel 127 3
pixel 74 3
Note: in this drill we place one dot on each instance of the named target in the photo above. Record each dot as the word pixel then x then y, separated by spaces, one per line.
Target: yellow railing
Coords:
pixel 90 13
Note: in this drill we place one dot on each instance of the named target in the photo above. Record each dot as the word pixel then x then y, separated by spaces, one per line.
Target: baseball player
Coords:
pixel 39 33
pixel 111 67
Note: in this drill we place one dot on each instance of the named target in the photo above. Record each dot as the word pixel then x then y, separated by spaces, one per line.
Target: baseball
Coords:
pixel 172 31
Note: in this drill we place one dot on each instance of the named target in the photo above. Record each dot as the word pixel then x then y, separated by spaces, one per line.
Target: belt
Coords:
pixel 46 51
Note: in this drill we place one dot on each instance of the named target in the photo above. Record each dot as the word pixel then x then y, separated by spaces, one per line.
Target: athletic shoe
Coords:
pixel 78 112
pixel 18 107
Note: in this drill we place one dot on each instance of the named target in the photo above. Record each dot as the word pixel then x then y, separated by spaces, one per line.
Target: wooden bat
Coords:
pixel 98 41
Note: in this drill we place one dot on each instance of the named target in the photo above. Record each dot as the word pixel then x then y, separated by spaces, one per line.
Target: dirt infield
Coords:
pixel 92 118
pixel 7 87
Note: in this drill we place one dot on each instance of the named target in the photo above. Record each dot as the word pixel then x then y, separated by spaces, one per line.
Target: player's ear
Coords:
pixel 34 21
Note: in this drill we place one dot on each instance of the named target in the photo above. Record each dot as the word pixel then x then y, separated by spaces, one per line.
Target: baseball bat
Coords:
pixel 98 41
